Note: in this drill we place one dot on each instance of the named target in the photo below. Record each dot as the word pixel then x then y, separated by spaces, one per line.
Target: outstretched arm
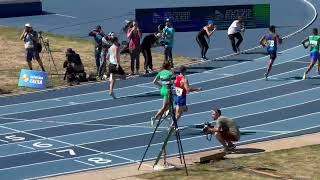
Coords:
pixel 156 82
pixel 263 41
pixel 279 39
pixel 189 88
pixel 304 43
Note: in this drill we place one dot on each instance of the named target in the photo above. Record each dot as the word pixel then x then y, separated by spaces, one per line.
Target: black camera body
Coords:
pixel 206 127
pixel 163 43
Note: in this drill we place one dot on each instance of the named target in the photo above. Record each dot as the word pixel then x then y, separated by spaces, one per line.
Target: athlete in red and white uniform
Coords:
pixel 182 88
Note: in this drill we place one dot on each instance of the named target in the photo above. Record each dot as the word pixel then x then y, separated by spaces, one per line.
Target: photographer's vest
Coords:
pixel 28 42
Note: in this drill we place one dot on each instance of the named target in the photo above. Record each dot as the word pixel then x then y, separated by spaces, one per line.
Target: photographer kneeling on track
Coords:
pixel 74 68
pixel 225 130
pixel 32 45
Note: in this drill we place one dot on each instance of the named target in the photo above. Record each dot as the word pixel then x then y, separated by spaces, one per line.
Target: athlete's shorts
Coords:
pixel 113 69
pixel 314 56
pixel 164 92
pixel 32 53
pixel 272 54
pixel 181 100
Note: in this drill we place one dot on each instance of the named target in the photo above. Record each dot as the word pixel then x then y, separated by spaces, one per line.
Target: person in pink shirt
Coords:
pixel 134 35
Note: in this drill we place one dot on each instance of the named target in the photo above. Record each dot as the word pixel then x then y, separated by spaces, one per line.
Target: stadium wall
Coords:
pixel 14 8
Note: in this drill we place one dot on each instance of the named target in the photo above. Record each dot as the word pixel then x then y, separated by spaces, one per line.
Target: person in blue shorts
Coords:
pixel 271 40
pixel 182 88
pixel 314 44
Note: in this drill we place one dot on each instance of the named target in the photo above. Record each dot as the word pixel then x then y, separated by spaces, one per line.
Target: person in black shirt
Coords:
pixel 148 42
pixel 204 33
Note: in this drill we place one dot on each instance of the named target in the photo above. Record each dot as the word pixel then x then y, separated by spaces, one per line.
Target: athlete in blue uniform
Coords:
pixel 271 40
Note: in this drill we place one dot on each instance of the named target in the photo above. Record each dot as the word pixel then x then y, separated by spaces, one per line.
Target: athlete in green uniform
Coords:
pixel 163 79
pixel 314 44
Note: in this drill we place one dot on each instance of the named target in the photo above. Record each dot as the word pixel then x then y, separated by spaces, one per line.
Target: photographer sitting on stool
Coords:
pixel 225 130
pixel 31 43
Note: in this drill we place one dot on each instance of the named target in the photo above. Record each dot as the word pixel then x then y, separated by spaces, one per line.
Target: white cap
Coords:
pixel 28 25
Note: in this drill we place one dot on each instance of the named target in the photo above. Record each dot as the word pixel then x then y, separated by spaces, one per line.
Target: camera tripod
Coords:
pixel 49 52
pixel 173 128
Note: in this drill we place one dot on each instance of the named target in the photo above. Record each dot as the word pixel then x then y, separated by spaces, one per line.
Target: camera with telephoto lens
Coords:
pixel 206 127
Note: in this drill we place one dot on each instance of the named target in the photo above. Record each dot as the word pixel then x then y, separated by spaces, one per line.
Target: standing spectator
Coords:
pixel 30 38
pixel 134 35
pixel 106 44
pixel 148 42
pixel 234 31
pixel 168 35
pixel 115 69
pixel 204 33
pixel 97 34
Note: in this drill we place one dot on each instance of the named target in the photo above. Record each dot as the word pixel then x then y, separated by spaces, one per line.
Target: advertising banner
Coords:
pixel 33 79
pixel 185 19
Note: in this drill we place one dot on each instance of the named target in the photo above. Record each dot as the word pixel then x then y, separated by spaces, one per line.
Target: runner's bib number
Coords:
pixel 179 91
pixel 313 43
pixel 270 43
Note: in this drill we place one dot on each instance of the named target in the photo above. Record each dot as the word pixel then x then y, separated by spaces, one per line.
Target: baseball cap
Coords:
pixel 111 34
pixel 28 25
pixel 168 20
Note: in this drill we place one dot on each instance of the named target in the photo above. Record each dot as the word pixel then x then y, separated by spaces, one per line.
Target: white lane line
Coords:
pixel 25 147
pixel 121 157
pixel 201 136
pixel 54 154
pixel 304 62
pixel 69 144
pixel 241 142
pixel 288 119
pixel 118 164
pixel 84 163
pixel 105 118
pixel 158 100
pixel 196 74
pixel 9 118
pixel 64 15
pixel 151 87
pixel 285 37
pixel 27 165
pixel 4 140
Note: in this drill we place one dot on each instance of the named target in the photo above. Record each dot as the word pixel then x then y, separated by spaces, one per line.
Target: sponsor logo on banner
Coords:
pixel 186 19
pixel 33 79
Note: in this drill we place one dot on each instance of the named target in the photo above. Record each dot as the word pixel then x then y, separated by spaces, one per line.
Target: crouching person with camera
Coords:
pixel 225 130
pixel 74 68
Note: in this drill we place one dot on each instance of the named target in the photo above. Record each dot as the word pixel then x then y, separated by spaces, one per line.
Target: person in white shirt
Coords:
pixel 115 69
pixel 31 41
pixel 234 31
